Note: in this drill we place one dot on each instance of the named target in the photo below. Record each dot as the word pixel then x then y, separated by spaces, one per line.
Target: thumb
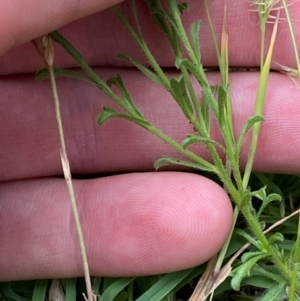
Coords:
pixel 22 21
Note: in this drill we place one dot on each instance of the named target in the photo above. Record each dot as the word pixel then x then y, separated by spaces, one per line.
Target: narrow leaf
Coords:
pixel 70 289
pixel 181 96
pixel 222 98
pixel 114 289
pixel 250 122
pixel 266 199
pixel 8 293
pixel 158 15
pixel 148 72
pixel 195 28
pixel 57 37
pixel 190 139
pixel 173 161
pixel 276 237
pixel 110 113
pixel 243 271
pixel 130 106
pixel 275 293
pixel 60 72
pixel 206 115
pixel 164 286
pixel 247 236
pixel 39 291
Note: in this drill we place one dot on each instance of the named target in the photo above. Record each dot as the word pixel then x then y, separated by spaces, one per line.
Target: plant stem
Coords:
pixel 259 105
pixel 287 12
pixel 46 49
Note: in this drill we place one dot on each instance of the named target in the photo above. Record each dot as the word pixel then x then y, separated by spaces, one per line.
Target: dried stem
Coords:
pixel 46 50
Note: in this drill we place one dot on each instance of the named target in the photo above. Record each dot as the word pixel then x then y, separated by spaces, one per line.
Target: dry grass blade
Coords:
pixel 205 282
pixel 56 292
pixel 292 73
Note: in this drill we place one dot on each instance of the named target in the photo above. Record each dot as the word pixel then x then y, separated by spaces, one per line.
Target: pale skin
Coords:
pixel 134 223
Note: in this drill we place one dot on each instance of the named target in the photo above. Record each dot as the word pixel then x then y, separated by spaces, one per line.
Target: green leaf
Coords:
pixel 250 122
pixel 208 97
pixel 60 72
pixel 195 28
pixel 148 72
pixel 181 96
pixel 39 292
pixel 247 236
pixel 93 77
pixel 206 115
pixel 114 289
pixel 276 237
pixel 173 161
pixel 244 270
pixel 248 255
pixel 106 114
pixel 57 37
pixel 130 106
pixel 222 97
pixel 164 286
pixel 122 297
pixel 70 289
pixel 179 62
pixel 96 284
pixel 136 18
pixel 190 139
pixel 266 199
pixel 258 281
pixel 275 293
pixel 158 15
pixel 9 294
pixel 110 113
pixel 269 272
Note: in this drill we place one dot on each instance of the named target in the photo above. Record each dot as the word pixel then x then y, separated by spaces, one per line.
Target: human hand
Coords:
pixel 137 223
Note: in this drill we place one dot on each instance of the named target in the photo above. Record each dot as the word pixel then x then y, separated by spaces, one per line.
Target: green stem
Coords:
pixel 223 252
pixel 212 31
pixel 287 12
pixel 259 105
pixel 179 147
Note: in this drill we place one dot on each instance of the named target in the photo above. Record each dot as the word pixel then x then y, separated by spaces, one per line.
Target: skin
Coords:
pixel 136 222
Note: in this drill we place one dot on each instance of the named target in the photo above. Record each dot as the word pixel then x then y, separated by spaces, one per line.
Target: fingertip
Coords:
pixel 181 222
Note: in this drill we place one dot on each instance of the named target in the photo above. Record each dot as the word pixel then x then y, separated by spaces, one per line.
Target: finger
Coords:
pixel 136 224
pixel 21 22
pixel 30 143
pixel 100 47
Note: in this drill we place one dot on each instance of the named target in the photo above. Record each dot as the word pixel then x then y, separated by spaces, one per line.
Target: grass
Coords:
pixel 268 267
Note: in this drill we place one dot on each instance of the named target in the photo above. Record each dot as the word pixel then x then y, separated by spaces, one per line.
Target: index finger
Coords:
pixel 102 36
pixel 21 22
